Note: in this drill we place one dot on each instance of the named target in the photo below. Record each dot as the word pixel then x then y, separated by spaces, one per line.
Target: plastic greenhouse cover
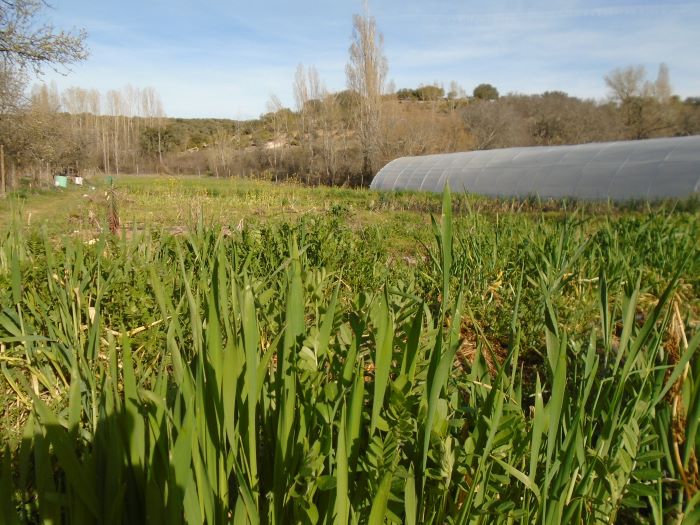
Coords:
pixel 625 170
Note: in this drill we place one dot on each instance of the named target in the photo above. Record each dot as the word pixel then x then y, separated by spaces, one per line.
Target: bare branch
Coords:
pixel 25 42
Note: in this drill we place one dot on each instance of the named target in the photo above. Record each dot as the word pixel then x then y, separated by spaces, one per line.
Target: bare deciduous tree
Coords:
pixel 310 96
pixel 662 86
pixel 328 123
pixel 222 153
pixel 366 72
pixel 274 108
pixel 27 42
pixel 301 99
pixel 152 111
pixel 643 104
pixel 493 125
pixel 12 82
pixel 625 83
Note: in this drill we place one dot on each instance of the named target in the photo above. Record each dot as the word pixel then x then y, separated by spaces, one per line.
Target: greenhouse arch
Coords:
pixel 626 170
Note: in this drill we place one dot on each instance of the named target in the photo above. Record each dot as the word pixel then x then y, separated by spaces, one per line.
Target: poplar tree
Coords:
pixel 366 72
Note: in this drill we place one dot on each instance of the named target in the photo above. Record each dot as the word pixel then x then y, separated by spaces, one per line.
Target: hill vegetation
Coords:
pixel 126 131
pixel 327 138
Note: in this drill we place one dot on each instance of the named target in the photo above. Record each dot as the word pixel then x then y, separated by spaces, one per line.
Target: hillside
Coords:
pixel 320 143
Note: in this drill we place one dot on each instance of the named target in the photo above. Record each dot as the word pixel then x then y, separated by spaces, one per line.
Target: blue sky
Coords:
pixel 216 58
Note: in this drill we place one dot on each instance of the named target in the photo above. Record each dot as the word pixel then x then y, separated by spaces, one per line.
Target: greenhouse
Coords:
pixel 627 170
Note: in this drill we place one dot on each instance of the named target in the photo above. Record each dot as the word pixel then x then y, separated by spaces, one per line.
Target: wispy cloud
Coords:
pixel 223 58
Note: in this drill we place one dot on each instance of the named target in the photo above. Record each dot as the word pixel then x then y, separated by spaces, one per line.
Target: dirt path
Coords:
pixel 51 207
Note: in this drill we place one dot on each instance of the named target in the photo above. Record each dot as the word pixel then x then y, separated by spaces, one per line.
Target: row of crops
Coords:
pixel 514 369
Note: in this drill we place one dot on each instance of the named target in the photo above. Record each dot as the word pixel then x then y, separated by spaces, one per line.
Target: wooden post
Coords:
pixel 2 170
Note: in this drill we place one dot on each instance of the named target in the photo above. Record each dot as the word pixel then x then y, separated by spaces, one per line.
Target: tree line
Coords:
pixel 326 138
pixel 80 129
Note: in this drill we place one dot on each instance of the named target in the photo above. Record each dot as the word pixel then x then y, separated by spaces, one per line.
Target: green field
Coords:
pixel 245 352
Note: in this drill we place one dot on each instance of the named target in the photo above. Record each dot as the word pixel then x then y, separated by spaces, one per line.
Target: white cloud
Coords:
pixel 215 59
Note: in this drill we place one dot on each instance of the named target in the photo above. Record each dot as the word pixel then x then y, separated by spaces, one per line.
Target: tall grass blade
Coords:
pixel 342 500
pixel 384 343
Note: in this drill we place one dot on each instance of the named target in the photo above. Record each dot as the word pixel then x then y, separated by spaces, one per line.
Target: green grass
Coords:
pixel 342 357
